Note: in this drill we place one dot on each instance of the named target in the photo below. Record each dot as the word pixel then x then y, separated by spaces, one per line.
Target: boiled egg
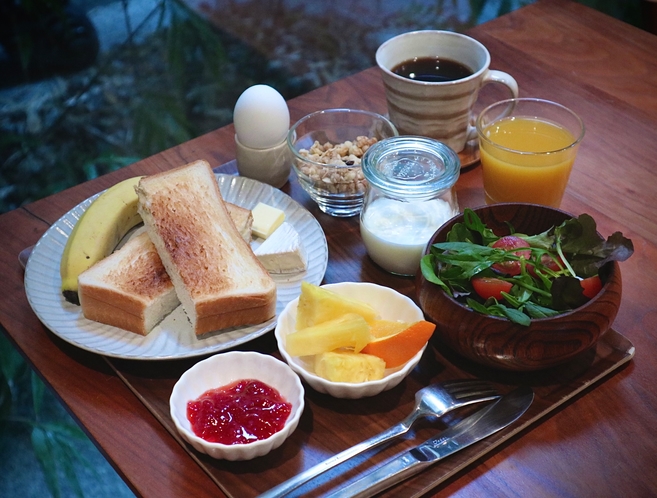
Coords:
pixel 261 117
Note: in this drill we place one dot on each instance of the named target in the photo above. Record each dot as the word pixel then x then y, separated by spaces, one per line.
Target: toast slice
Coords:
pixel 217 278
pixel 129 289
pixel 243 219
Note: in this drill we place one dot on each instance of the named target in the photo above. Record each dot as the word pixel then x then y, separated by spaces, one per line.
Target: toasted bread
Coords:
pixel 129 289
pixel 217 278
pixel 243 219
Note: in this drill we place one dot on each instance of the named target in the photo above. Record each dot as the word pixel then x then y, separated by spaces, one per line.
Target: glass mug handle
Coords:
pixel 494 76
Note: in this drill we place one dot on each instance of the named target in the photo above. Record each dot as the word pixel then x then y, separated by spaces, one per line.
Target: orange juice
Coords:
pixel 526 160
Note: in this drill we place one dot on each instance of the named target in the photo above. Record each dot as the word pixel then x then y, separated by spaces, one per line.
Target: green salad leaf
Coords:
pixel 587 250
pixel 548 282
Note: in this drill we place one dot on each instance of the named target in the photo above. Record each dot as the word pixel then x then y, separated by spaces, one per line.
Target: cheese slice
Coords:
pixel 266 219
pixel 283 252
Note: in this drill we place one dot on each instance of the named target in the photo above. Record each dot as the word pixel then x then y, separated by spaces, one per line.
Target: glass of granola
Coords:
pixel 327 148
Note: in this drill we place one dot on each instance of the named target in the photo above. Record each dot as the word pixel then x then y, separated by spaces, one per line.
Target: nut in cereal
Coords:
pixel 342 173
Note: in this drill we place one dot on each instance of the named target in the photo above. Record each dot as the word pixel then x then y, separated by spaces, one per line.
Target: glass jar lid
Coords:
pixel 411 166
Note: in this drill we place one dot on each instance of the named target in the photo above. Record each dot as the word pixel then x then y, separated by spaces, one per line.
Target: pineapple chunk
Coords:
pixel 385 328
pixel 349 367
pixel 347 331
pixel 317 305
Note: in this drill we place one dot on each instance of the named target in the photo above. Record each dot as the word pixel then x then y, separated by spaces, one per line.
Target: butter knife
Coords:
pixel 477 426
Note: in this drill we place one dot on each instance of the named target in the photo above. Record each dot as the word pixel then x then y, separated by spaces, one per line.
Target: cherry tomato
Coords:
pixel 591 286
pixel 487 287
pixel 511 242
pixel 549 262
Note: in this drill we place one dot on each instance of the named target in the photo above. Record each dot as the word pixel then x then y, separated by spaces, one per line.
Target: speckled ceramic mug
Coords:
pixel 440 110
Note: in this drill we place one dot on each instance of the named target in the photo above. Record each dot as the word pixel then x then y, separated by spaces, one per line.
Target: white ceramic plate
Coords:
pixel 173 337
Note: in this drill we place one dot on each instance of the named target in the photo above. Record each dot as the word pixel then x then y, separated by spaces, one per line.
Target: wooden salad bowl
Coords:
pixel 499 343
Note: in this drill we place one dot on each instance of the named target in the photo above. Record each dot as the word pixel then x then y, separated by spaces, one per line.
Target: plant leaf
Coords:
pixel 567 293
pixel 536 311
pixel 37 393
pixel 5 398
pixel 44 454
pixel 578 235
pixel 427 266
pixel 516 316
pixel 471 230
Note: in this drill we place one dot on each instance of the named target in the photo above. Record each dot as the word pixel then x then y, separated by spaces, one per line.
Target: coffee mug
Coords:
pixel 440 105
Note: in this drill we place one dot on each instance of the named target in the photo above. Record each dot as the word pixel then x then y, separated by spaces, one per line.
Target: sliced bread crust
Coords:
pixel 218 279
pixel 129 289
pixel 243 219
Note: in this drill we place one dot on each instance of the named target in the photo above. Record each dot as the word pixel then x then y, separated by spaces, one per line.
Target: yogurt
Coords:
pixel 395 233
pixel 410 194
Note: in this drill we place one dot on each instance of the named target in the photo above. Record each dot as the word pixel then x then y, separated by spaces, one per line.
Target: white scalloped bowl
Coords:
pixel 226 368
pixel 390 304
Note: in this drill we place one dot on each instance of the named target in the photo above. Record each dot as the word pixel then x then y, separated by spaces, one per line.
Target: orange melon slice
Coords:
pixel 397 349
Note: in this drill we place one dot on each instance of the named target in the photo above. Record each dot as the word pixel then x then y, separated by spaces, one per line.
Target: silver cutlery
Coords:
pixel 478 426
pixel 435 400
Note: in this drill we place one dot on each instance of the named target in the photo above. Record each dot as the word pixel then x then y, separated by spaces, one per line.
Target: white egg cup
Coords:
pixel 271 166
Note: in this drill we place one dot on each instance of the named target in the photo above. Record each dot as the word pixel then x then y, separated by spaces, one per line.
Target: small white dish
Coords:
pixel 390 304
pixel 223 369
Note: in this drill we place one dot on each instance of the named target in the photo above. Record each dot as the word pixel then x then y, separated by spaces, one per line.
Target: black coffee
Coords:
pixel 432 69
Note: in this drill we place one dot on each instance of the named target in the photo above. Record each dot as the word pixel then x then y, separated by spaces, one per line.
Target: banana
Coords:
pixel 97 233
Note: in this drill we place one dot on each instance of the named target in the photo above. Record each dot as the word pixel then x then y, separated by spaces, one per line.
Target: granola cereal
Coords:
pixel 347 177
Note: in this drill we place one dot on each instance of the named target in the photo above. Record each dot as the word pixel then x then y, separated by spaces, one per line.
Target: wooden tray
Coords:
pixel 330 425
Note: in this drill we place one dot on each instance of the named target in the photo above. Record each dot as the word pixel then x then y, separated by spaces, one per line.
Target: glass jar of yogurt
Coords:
pixel 410 195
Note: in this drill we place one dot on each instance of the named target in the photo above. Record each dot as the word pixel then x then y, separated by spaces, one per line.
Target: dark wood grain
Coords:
pixel 596 443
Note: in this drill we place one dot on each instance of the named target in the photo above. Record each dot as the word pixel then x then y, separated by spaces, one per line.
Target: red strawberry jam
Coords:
pixel 239 413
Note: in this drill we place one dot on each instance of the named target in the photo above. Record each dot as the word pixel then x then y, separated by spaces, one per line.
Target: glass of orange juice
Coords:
pixel 527 147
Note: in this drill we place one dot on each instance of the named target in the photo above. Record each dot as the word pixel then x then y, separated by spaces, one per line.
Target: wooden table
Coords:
pixel 599 443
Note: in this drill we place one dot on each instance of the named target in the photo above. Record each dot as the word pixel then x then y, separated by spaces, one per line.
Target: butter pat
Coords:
pixel 282 252
pixel 266 219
